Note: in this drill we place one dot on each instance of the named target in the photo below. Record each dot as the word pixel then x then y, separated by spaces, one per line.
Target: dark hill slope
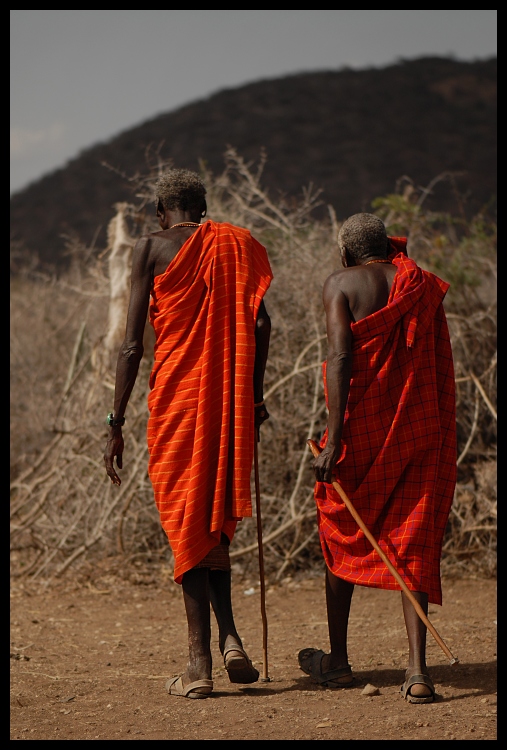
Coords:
pixel 351 133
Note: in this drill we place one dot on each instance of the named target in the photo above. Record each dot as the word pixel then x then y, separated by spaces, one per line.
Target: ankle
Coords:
pixel 230 641
pixel 199 667
pixel 335 661
pixel 417 667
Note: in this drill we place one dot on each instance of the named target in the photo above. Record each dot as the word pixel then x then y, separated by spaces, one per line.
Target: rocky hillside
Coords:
pixel 353 134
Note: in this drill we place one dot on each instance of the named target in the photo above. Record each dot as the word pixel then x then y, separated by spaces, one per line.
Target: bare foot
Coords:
pixel 418 687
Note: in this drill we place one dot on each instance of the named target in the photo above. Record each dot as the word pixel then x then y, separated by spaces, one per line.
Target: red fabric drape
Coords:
pixel 398 460
pixel 201 429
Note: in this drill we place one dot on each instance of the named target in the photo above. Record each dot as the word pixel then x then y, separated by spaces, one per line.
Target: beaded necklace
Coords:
pixel 376 261
pixel 186 224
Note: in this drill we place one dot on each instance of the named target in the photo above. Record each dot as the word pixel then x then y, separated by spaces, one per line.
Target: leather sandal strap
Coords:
pixel 337 673
pixel 235 648
pixel 419 679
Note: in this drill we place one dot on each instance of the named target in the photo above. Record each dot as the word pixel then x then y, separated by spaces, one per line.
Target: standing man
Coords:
pixel 390 440
pixel 203 285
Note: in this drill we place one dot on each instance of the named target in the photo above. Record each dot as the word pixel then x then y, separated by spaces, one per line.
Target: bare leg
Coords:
pixel 416 632
pixel 196 596
pixel 237 663
pixel 338 600
pixel 221 601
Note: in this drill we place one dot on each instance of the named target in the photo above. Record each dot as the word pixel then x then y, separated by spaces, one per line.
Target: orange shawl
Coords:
pixel 201 426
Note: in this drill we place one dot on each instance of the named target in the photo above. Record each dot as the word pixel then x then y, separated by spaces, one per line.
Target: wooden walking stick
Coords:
pixel 316 450
pixel 265 677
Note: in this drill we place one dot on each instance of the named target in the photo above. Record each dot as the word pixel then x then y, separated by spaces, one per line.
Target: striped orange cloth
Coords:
pixel 201 418
pixel 398 461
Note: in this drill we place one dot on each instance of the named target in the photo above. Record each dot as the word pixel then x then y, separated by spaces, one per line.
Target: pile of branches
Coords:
pixel 67 518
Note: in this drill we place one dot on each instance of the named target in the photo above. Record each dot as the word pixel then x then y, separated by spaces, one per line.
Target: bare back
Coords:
pixel 151 257
pixel 366 288
pixel 164 246
pixel 349 295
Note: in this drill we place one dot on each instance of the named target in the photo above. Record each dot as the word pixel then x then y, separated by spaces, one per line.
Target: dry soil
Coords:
pixel 90 662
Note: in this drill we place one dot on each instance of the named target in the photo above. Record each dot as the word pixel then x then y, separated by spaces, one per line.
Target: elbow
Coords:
pixel 131 352
pixel 340 360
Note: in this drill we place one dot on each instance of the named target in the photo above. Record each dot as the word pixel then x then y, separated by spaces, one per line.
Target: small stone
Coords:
pixel 370 690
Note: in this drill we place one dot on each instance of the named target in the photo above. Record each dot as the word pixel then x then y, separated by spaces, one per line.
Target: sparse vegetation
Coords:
pixel 65 514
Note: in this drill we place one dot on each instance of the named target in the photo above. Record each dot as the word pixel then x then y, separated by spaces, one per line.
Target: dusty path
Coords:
pixel 91 663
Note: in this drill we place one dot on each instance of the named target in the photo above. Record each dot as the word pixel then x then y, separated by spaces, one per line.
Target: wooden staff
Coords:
pixel 265 677
pixel 316 450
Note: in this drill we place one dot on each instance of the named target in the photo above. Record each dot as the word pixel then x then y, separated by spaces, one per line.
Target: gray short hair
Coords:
pixel 363 235
pixel 180 189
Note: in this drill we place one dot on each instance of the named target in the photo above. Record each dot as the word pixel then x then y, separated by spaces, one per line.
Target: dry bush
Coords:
pixel 66 517
pixel 465 256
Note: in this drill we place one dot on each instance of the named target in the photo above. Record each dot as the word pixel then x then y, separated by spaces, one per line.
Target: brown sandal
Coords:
pixel 310 661
pixel 197 689
pixel 418 679
pixel 239 667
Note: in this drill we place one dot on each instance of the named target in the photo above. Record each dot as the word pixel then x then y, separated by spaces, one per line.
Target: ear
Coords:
pixel 204 209
pixel 161 215
pixel 348 260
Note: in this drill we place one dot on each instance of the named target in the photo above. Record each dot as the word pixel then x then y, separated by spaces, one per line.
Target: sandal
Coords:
pixel 310 661
pixel 197 689
pixel 239 667
pixel 418 679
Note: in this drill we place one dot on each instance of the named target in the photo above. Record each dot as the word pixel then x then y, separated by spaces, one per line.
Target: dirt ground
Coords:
pixel 91 662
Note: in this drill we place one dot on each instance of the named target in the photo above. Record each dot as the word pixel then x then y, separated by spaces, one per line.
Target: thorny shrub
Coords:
pixel 65 514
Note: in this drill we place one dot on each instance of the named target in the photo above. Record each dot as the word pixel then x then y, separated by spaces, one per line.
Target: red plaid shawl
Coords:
pixel 398 460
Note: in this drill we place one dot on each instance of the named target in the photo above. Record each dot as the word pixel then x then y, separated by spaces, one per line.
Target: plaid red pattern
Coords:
pixel 217 558
pixel 201 425
pixel 398 460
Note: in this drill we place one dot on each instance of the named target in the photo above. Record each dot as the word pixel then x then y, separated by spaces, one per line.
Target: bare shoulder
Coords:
pixel 338 282
pixel 156 250
pixel 148 241
pixel 141 254
pixel 150 246
pixel 364 289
